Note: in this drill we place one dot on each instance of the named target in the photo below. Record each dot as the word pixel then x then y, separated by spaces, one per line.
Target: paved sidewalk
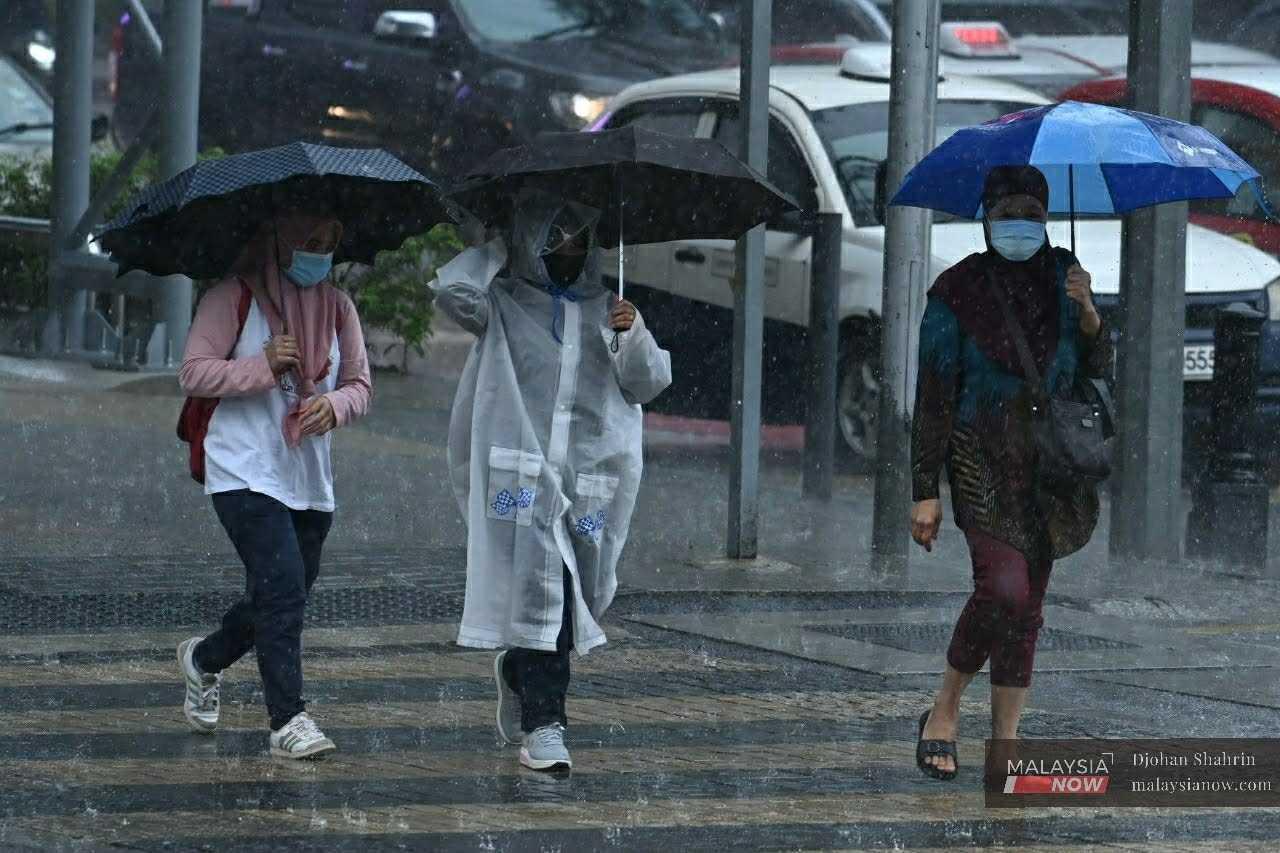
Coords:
pixel 761 706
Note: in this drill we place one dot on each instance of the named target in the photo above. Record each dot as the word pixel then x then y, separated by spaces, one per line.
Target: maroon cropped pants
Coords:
pixel 1002 618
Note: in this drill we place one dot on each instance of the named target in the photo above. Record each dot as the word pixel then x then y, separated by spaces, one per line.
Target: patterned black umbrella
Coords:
pixel 650 187
pixel 197 222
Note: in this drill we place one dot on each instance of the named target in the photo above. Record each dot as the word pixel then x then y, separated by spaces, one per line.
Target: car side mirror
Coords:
pixel 408 26
pixel 881 201
pixel 725 25
pixel 99 127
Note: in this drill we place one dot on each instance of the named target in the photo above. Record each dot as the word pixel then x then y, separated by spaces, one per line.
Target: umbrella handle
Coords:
pixel 622 251
pixel 1071 192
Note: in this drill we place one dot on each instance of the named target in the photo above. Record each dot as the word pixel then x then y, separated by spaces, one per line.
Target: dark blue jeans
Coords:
pixel 280 548
pixel 541 679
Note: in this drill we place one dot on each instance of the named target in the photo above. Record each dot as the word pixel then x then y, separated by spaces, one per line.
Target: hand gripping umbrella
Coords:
pixel 649 187
pixel 1098 160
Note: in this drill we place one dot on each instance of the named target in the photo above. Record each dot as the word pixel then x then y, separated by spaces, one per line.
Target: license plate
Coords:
pixel 1197 363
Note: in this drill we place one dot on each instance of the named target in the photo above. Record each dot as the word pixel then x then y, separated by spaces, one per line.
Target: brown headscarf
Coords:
pixel 307 313
pixel 1031 286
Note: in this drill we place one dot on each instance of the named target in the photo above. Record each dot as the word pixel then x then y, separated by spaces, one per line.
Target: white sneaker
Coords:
pixel 544 749
pixel 200 706
pixel 508 706
pixel 300 738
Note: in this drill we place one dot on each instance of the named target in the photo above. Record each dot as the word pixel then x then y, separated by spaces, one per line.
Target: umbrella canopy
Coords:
pixel 1097 159
pixel 197 222
pixel 650 187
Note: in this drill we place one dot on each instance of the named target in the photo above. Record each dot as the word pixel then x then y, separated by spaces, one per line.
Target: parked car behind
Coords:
pixel 797 22
pixel 26 37
pixel 441 83
pixel 1260 29
pixel 26 113
pixel 1044 17
pixel 828 135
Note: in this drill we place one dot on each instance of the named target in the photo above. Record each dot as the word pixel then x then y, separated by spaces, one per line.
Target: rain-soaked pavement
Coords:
pixel 769 707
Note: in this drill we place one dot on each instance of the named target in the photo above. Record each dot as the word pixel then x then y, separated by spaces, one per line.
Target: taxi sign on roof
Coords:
pixel 981 39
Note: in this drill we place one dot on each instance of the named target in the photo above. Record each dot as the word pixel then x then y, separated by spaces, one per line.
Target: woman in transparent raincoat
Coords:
pixel 544 453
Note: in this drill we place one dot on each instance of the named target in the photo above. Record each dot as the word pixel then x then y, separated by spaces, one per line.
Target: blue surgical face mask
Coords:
pixel 309 268
pixel 1017 239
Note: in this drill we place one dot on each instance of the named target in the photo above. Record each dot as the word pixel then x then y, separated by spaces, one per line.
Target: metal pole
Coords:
pixel 912 99
pixel 72 140
pixel 824 351
pixel 182 22
pixel 117 180
pixel 150 37
pixel 1146 500
pixel 748 296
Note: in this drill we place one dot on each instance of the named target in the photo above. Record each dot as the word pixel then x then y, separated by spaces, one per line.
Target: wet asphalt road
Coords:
pixel 110 555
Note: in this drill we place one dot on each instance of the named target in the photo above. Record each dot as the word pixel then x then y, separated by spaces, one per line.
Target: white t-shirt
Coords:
pixel 245 448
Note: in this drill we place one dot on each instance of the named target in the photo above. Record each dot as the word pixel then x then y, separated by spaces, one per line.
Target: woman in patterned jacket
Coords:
pixel 973 415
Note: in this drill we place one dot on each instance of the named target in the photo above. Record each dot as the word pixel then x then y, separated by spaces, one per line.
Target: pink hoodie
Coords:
pixel 207 372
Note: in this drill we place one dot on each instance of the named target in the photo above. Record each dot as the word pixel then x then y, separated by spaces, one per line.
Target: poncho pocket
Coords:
pixel 592 508
pixel 513 481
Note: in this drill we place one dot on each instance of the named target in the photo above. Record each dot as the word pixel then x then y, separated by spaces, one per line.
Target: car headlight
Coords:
pixel 1273 301
pixel 42 55
pixel 577 109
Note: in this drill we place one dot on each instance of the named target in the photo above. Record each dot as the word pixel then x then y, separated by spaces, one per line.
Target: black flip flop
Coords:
pixel 926 748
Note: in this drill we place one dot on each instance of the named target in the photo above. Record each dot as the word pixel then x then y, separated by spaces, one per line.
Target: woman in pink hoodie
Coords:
pixel 292 371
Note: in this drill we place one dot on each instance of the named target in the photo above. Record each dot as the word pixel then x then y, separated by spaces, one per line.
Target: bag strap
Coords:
pixel 1014 328
pixel 242 314
pixel 1107 403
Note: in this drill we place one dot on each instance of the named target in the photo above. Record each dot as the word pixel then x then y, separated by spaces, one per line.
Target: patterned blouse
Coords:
pixel 973 416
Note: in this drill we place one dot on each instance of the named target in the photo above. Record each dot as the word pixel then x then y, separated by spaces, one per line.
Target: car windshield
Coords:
pixel 20 103
pixel 1028 17
pixel 857 140
pixel 529 20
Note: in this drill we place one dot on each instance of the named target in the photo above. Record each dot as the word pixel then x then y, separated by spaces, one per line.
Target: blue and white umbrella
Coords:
pixel 1098 160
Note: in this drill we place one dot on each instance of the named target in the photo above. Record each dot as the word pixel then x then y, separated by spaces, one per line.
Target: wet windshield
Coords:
pixel 20 103
pixel 1020 18
pixel 857 139
pixel 532 20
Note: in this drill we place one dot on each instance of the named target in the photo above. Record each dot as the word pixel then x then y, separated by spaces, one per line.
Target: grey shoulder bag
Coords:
pixel 1072 431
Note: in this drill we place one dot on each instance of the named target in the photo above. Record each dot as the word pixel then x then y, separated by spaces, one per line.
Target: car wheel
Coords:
pixel 858 407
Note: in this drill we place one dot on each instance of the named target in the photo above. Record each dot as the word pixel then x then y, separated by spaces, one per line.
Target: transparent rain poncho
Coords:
pixel 545 437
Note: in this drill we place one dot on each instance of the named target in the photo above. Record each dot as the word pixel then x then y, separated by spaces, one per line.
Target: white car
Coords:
pixel 827 137
pixel 1049 64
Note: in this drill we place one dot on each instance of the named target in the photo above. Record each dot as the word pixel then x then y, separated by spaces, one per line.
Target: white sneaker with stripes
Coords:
pixel 544 749
pixel 300 738
pixel 201 704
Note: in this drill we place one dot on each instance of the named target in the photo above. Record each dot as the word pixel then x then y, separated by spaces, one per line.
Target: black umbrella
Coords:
pixel 649 187
pixel 197 223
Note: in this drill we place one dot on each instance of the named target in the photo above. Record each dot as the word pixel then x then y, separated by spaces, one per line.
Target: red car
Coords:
pixel 1241 106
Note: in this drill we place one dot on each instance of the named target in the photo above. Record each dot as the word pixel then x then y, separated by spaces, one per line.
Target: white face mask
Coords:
pixel 1017 239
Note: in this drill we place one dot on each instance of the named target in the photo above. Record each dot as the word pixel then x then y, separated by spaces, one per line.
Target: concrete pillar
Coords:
pixel 913 98
pixel 179 135
pixel 72 119
pixel 824 351
pixel 1146 500
pixel 748 297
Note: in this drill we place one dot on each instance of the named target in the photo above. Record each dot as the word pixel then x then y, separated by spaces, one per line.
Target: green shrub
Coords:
pixel 26 189
pixel 392 294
